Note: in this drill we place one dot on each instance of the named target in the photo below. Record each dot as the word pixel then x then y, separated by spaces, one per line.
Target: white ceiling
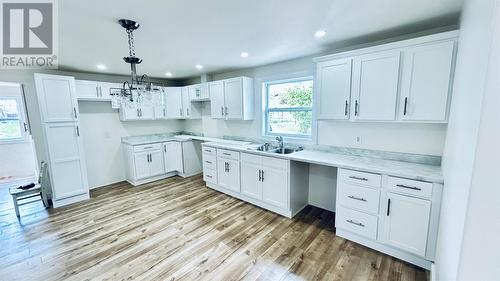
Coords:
pixel 176 35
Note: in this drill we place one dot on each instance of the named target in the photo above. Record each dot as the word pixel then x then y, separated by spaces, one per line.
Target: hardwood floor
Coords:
pixel 178 229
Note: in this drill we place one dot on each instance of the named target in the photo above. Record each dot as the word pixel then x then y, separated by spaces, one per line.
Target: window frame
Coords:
pixel 267 110
pixel 23 120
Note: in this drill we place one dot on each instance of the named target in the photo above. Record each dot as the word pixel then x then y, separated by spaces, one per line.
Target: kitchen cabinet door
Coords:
pixel 334 89
pixel 66 160
pixel 251 184
pixel 228 173
pixel 156 165
pixel 199 92
pixel 105 90
pixel 186 103
pixel 57 98
pixel 216 90
pixel 87 89
pixel 233 96
pixel 160 112
pixel 173 156
pixel 146 113
pixel 375 86
pixel 141 165
pixel 275 186
pixel 174 102
pixel 406 223
pixel 426 82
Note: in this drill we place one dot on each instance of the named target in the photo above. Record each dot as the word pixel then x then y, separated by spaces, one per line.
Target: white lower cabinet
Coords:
pixel 228 173
pixel 172 152
pixel 399 217
pixel 251 176
pixel 149 162
pixel 407 223
pixel 274 184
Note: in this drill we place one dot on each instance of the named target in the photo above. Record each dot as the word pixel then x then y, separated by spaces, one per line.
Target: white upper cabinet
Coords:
pixel 190 110
pixel 404 81
pixel 333 84
pixel 174 102
pixel 426 82
pixel 57 98
pixel 199 92
pixel 134 112
pixel 216 90
pixel 238 98
pixel 94 90
pixel 375 86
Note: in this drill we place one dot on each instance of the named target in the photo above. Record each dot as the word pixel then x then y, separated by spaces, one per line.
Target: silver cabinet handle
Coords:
pixel 208 162
pixel 260 175
pixel 74 112
pixel 165 148
pixel 180 111
pixel 222 110
pixel 408 187
pixel 226 110
pixel 208 176
pixel 138 115
pixel 100 91
pixel 147 147
pixel 356 198
pixel 227 154
pixel 151 157
pixel 358 178
pixel 187 111
pixel 356 105
pixel 355 223
pixel 97 91
pixel 77 131
pixel 207 150
pixel 346 106
pixel 164 112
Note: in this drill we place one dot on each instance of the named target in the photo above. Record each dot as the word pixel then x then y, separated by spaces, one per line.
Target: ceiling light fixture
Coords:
pixel 319 33
pixel 244 55
pixel 168 74
pixel 199 66
pixel 101 67
pixel 138 90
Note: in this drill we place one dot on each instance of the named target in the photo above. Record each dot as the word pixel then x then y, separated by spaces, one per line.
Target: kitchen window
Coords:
pixel 13 127
pixel 288 108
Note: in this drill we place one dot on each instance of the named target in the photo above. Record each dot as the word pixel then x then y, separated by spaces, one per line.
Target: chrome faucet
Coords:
pixel 280 141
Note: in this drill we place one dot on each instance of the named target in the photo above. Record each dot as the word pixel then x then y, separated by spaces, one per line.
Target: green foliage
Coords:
pixel 300 96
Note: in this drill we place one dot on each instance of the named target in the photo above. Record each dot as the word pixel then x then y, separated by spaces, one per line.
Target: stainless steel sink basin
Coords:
pixel 283 150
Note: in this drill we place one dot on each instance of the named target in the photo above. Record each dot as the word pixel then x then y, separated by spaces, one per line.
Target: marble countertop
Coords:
pixel 156 138
pixel 408 170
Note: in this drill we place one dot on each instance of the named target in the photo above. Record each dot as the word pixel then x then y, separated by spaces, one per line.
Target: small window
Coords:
pixel 10 120
pixel 288 108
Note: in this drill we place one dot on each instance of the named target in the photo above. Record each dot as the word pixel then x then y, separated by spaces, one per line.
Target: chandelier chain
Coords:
pixel 131 49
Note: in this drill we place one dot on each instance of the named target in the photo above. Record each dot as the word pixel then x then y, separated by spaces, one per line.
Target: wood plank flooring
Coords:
pixel 178 229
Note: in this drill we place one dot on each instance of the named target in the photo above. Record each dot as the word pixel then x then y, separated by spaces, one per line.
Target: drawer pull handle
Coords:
pixel 358 178
pixel 355 223
pixel 408 187
pixel 208 162
pixel 148 147
pixel 208 150
pixel 356 198
pixel 208 176
pixel 227 154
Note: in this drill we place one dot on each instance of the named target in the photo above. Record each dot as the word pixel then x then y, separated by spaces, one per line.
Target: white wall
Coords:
pixel 480 257
pixel 100 125
pixel 409 138
pixel 17 160
pixel 461 139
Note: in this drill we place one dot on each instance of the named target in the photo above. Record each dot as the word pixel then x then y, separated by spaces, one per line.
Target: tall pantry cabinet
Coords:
pixel 62 138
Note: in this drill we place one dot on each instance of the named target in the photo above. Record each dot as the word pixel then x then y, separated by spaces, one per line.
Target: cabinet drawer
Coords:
pixel 363 178
pixel 146 147
pixel 209 161
pixel 228 154
pixel 275 163
pixel 356 222
pixel 412 187
pixel 357 197
pixel 210 175
pixel 209 150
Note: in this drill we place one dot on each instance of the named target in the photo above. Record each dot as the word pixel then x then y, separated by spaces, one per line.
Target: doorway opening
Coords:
pixel 18 162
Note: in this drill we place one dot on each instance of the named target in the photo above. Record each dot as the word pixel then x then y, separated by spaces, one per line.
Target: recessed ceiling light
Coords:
pixel 101 67
pixel 199 66
pixel 244 55
pixel 168 74
pixel 319 33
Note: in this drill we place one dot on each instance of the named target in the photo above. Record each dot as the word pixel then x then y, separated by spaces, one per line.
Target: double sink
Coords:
pixel 275 150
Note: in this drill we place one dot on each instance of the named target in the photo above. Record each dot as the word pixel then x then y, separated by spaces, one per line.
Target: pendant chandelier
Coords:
pixel 139 90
